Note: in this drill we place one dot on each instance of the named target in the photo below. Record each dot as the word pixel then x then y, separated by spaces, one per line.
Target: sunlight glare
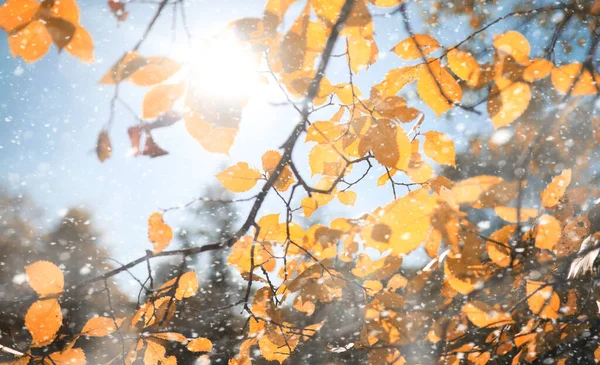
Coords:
pixel 222 67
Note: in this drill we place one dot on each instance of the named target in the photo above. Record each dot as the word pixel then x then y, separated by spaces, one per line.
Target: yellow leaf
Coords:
pixel 347 197
pixel 563 78
pixel 325 159
pixel 373 286
pixel 401 225
pixel 385 177
pixel 419 171
pixel 388 142
pixel 187 285
pixel 81 45
pixel 241 255
pixel 239 178
pixel 542 299
pixel 154 354
pixel 160 99
pixel 440 148
pixel 324 131
pixel 509 103
pixel 484 316
pixel 170 336
pixel 16 13
pixel 100 326
pixel 547 232
pixel 437 88
pixel 309 205
pixel 270 160
pixel 156 70
pixel 465 66
pixel 509 214
pixel 67 357
pixel 66 9
pixel 395 80
pixel 212 139
pixel 556 189
pixel 43 319
pixel 200 344
pixel 123 68
pixel 498 245
pixel 386 3
pixel 31 42
pixel 45 278
pixel 470 190
pixel 362 52
pixel 159 233
pixel 414 48
pixel 538 69
pixel 512 43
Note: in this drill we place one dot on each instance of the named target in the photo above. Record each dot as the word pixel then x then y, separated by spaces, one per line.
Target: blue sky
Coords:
pixel 52 110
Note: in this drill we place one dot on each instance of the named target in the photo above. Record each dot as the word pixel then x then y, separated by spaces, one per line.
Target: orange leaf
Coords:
pixel 347 197
pixel 213 139
pixel 100 326
pixel 309 205
pixel 395 80
pixel 440 148
pixel 563 78
pixel 43 319
pixel 437 87
pixel 241 255
pixel 159 233
pixel 170 336
pixel 556 189
pixel 16 13
pixel 45 278
pixel 200 344
pixel 498 245
pixel 187 285
pixel 547 232
pixel 81 45
pixel 239 178
pixel 542 299
pixel 538 69
pixel 160 99
pixel 66 9
pixel 31 42
pixel 507 104
pixel 484 316
pixel 512 43
pixel 465 66
pixel 156 70
pixel 122 69
pixel 270 160
pixel 509 214
pixel 414 48
pixel 66 357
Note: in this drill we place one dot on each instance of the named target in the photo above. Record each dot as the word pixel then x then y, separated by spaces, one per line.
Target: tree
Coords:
pixel 501 224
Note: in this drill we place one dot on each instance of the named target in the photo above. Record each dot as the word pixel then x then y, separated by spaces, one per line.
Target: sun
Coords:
pixel 221 67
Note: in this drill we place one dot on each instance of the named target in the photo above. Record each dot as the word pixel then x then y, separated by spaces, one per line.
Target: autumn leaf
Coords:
pixel 160 99
pixel 440 148
pixel 45 278
pixel 187 286
pixel 270 160
pixel 159 233
pixel 547 232
pixel 200 344
pixel 15 13
pixel 347 197
pixel 538 69
pixel 309 205
pixel 31 42
pixel 499 247
pixel 507 104
pixel 416 47
pixel 153 71
pixel 542 299
pixel 513 44
pixel 103 146
pixel 67 357
pixel 239 178
pixel 484 316
pixel 101 326
pixel 512 214
pixel 43 320
pixel 437 87
pixel 241 255
pixel 556 189
pixel 573 79
pixel 464 65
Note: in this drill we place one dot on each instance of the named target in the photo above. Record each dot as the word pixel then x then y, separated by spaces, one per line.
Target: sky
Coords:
pixel 51 112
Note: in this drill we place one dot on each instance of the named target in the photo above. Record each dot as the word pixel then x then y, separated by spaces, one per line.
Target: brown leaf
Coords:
pixel 103 146
pixel 151 149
